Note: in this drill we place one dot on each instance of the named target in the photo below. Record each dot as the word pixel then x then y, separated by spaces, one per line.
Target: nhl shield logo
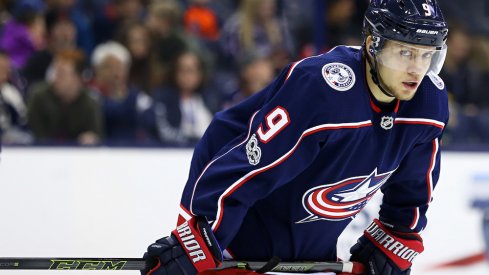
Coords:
pixel 338 76
pixel 387 122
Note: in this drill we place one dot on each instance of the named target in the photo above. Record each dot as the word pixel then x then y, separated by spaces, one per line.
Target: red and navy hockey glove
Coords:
pixel 191 248
pixel 387 251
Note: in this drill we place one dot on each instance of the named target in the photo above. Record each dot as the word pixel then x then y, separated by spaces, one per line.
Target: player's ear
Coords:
pixel 368 45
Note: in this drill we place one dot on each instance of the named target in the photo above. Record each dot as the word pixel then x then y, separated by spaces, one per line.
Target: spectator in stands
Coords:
pixel 201 21
pixel 61 110
pixel 164 21
pixel 13 112
pixel 475 13
pixel 127 111
pixel 222 8
pixel 300 18
pixel 456 72
pixel 113 15
pixel 255 72
pixel 130 11
pixel 24 34
pixel 136 37
pixel 5 11
pixel 61 33
pixel 182 114
pixel 475 108
pixel 85 36
pixel 343 26
pixel 466 74
pixel 256 27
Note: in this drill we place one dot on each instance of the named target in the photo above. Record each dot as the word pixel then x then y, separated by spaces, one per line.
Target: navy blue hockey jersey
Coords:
pixel 284 172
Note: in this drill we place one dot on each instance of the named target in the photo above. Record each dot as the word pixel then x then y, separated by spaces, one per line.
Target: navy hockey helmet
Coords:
pixel 418 22
pixel 417 27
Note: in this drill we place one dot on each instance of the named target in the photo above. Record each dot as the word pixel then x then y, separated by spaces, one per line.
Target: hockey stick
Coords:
pixel 73 263
pixel 140 264
pixel 298 267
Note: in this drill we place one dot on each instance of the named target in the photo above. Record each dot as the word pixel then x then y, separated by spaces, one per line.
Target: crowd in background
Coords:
pixel 153 72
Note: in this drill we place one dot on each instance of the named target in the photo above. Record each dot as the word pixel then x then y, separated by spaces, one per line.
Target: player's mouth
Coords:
pixel 410 85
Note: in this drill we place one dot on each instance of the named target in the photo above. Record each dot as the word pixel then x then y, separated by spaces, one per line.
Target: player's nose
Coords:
pixel 416 67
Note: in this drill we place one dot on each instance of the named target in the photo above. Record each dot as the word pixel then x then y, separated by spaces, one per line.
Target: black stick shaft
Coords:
pixel 73 263
pixel 300 267
pixel 140 264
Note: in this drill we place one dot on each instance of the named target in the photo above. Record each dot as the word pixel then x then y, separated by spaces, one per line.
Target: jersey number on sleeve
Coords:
pixel 276 120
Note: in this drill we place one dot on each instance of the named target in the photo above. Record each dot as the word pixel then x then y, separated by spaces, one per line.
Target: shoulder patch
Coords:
pixel 436 80
pixel 253 151
pixel 339 76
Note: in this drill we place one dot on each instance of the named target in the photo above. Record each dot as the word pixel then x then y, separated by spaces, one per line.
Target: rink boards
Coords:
pixel 102 202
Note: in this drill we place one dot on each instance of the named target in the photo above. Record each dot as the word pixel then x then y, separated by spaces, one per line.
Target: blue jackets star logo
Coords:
pixel 342 200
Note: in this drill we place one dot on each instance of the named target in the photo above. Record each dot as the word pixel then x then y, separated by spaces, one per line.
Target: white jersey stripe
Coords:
pixel 183 212
pixel 295 65
pixel 227 255
pixel 432 167
pixel 429 182
pixel 406 120
pixel 415 219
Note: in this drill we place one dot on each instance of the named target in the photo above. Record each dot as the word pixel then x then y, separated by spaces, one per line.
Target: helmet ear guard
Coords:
pixel 374 48
pixel 378 43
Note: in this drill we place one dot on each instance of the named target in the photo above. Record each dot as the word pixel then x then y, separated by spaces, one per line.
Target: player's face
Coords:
pixel 402 67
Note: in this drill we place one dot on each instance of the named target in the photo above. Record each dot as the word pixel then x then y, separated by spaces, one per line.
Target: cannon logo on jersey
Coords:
pixel 341 200
pixel 338 76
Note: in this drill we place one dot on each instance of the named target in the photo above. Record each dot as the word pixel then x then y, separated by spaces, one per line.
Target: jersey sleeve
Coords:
pixel 272 149
pixel 409 192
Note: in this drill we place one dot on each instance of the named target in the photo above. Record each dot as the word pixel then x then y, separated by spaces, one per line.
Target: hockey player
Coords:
pixel 284 172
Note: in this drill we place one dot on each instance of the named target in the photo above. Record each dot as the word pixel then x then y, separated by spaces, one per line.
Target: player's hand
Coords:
pixel 191 248
pixel 385 251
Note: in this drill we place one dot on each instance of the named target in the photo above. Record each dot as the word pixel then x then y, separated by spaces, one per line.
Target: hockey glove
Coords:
pixel 385 251
pixel 191 248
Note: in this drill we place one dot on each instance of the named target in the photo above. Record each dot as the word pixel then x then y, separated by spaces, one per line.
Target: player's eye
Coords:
pixel 406 53
pixel 428 55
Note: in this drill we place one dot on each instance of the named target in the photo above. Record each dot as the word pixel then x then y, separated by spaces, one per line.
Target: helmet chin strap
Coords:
pixel 374 72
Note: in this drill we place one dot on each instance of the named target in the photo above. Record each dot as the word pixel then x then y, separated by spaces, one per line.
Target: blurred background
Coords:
pixel 152 73
pixel 96 79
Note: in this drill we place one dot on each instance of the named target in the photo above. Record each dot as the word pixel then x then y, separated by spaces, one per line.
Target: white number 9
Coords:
pixel 276 120
pixel 427 10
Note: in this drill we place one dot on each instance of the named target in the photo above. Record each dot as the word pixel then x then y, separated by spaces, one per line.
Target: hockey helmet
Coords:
pixel 412 21
pixel 416 29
